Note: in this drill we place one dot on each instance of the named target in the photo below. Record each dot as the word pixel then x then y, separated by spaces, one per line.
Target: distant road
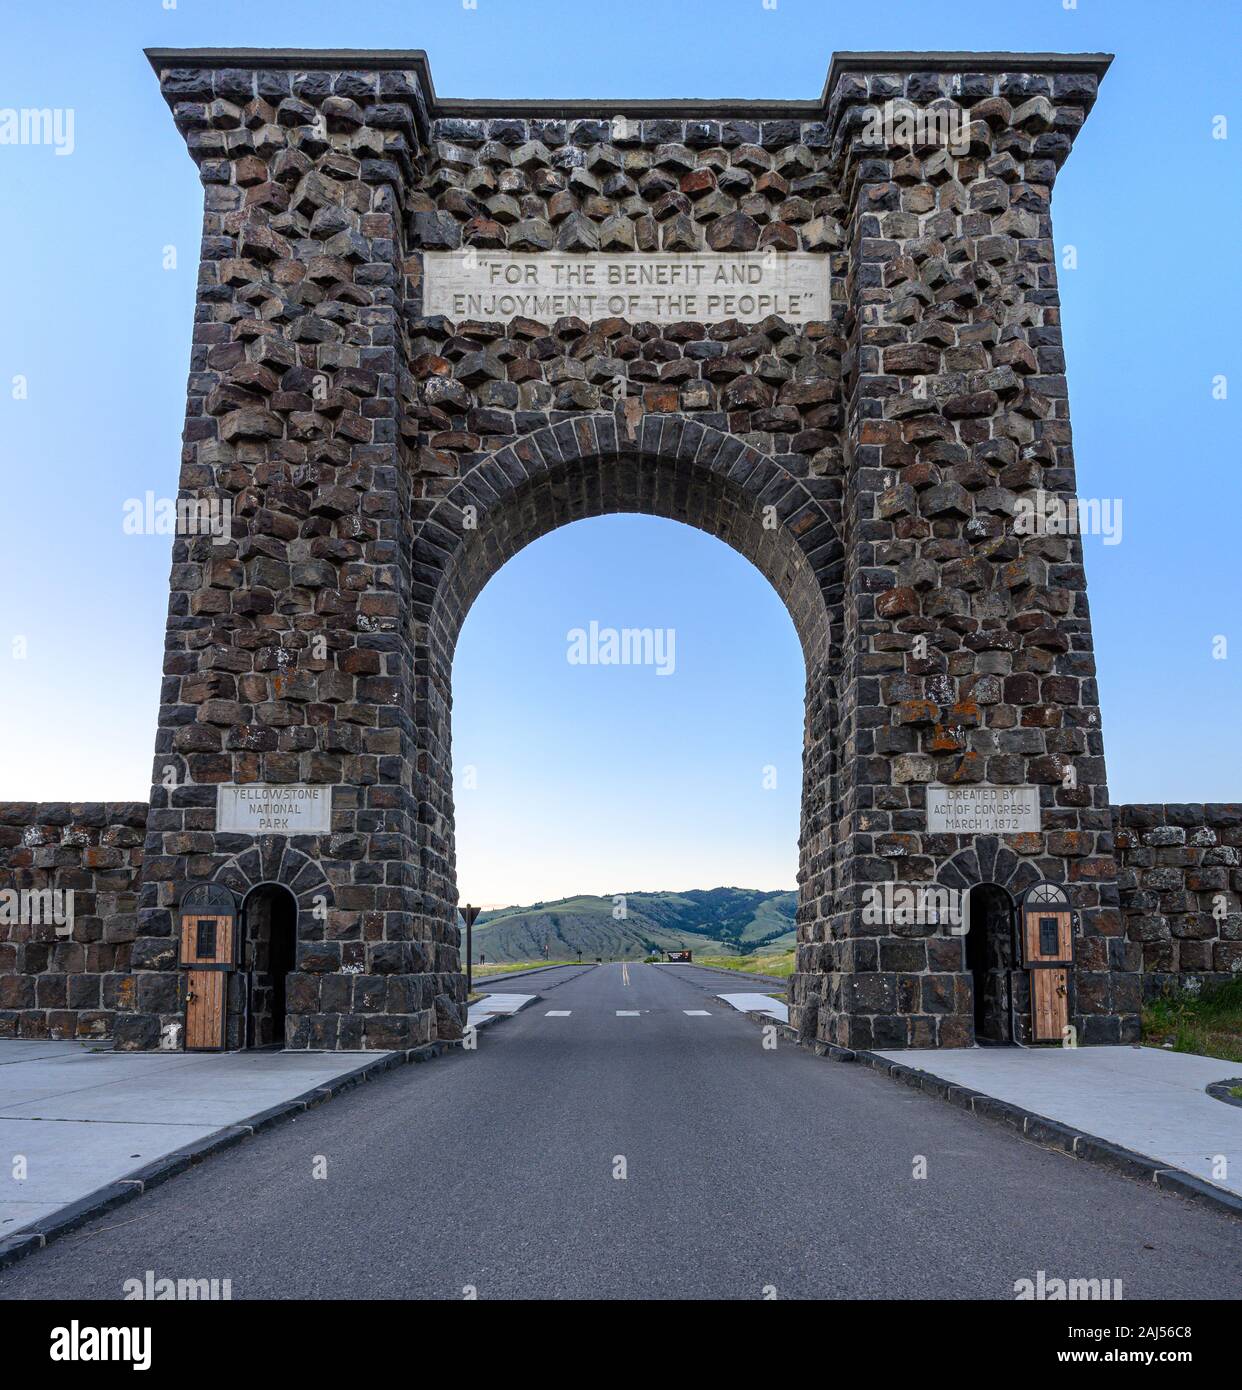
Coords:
pixel 699 974
pixel 744 1169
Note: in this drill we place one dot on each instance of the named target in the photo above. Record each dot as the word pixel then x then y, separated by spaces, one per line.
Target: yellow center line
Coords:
pixel 625 973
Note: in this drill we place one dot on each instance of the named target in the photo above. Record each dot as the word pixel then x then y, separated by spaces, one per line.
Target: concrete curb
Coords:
pixel 758 1016
pixel 1051 1134
pixel 488 1020
pixel 42 1232
pixel 1219 1090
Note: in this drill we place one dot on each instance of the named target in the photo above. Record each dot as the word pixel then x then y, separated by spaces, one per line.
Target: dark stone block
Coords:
pixel 136 1032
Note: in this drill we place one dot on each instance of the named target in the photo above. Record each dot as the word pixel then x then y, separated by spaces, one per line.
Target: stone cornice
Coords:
pixel 415 60
pixel 300 59
pixel 1094 64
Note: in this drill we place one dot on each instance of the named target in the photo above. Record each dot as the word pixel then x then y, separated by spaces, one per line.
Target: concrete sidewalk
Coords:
pixel 493 1006
pixel 759 1004
pixel 84 1118
pixel 1144 1099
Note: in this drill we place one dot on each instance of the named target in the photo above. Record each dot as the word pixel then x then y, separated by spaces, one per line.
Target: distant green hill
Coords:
pixel 717 921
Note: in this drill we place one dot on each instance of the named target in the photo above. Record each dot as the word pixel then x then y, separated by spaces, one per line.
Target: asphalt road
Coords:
pixel 745 1169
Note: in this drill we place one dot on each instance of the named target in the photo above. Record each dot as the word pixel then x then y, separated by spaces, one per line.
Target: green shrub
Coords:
pixel 1207 1022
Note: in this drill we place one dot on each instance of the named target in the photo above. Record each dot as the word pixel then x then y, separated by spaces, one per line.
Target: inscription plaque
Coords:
pixel 641 287
pixel 263 810
pixel 982 810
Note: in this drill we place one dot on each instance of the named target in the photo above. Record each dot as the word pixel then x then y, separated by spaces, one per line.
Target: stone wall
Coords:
pixel 1180 883
pixel 1181 890
pixel 68 981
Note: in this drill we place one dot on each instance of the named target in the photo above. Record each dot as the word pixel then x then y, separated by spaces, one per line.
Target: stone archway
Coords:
pixel 670 466
pixel 890 424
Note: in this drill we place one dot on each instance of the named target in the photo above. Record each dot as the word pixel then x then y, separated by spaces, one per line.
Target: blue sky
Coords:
pixel 594 778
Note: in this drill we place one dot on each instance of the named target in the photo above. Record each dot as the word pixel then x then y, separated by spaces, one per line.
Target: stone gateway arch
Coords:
pixel 429 331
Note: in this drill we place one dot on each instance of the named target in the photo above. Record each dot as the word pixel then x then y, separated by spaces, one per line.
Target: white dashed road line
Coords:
pixel 628 1013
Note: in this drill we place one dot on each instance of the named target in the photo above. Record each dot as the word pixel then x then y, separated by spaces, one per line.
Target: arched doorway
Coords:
pixel 990 961
pixel 269 949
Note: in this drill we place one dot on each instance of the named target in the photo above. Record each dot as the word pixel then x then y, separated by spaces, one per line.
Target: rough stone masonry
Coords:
pixel 382 461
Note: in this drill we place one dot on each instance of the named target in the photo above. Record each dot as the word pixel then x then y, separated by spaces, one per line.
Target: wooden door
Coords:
pixel 207 945
pixel 204 1011
pixel 1049 1003
pixel 1049 951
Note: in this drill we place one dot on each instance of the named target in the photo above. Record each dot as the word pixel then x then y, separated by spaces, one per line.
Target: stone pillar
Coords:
pixel 287 655
pixel 968 653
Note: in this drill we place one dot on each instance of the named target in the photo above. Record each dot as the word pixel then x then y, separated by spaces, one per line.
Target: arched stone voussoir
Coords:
pixel 268 863
pixel 988 860
pixel 669 465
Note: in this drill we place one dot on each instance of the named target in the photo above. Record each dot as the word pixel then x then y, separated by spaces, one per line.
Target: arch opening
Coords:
pixel 990 961
pixel 673 468
pixel 259 1015
pixel 578 782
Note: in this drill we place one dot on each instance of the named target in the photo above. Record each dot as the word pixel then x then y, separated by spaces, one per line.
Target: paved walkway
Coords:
pixel 1143 1098
pixel 82 1118
pixel 758 1003
pixel 496 1006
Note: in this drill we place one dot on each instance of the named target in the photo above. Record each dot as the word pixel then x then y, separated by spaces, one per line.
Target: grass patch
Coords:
pixel 778 965
pixel 483 972
pixel 1209 1024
